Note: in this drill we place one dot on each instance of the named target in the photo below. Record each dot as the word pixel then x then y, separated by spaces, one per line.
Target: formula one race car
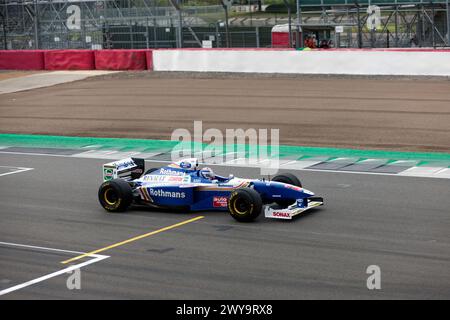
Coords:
pixel 182 185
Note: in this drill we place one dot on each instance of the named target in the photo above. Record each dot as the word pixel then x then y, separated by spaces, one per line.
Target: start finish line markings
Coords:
pixel 96 258
pixel 12 170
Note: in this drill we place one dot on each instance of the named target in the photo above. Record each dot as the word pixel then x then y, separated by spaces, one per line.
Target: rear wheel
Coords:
pixel 288 178
pixel 115 195
pixel 245 204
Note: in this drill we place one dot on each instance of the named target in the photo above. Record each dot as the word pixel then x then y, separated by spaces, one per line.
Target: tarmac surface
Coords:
pixel 400 224
pixel 352 112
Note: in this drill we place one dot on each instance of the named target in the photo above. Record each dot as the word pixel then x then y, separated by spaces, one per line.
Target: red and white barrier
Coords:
pixel 415 62
pixel 120 59
pixel 354 62
pixel 69 60
pixel 149 59
pixel 21 60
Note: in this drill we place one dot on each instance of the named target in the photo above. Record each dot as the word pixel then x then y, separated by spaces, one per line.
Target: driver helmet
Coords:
pixel 207 173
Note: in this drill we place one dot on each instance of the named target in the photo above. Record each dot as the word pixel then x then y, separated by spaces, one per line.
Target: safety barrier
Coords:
pixel 149 59
pixel 76 60
pixel 22 60
pixel 414 62
pixel 69 60
pixel 355 62
pixel 121 60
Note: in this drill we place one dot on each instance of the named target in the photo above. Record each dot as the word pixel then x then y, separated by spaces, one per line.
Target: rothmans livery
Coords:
pixel 182 185
pixel 167 194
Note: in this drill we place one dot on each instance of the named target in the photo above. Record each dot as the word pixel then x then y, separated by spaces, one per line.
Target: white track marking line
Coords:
pixel 51 275
pixel 97 258
pixel 40 248
pixel 37 154
pixel 421 171
pixel 224 165
pixel 372 173
pixel 19 169
pixel 444 173
pixel 300 164
pixel 441 170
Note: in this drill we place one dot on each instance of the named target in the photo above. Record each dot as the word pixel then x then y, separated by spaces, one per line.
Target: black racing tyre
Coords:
pixel 245 204
pixel 290 179
pixel 115 195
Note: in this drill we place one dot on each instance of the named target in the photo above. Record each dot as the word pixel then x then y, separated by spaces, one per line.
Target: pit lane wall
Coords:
pixel 350 62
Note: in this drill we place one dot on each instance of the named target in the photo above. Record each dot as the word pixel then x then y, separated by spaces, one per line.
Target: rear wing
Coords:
pixel 126 169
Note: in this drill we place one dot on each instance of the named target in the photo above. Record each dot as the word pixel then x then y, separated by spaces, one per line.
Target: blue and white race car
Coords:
pixel 183 185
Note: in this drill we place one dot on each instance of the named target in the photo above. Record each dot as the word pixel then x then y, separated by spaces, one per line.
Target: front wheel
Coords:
pixel 115 195
pixel 288 178
pixel 245 204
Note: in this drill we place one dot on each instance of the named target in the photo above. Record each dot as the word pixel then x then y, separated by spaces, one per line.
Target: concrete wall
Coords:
pixel 356 62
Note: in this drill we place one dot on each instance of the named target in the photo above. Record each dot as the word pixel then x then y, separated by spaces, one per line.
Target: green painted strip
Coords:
pixel 368 154
pixel 44 141
pixel 144 145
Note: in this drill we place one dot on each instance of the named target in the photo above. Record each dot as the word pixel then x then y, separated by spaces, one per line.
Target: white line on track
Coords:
pixel 36 154
pixel 19 169
pixel 36 247
pixel 97 258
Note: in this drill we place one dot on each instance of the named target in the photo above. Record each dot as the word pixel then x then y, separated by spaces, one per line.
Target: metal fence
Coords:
pixel 52 24
pixel 153 36
pixel 48 24
pixel 399 26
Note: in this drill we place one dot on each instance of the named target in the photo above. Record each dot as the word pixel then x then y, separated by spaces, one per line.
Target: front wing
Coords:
pixel 293 210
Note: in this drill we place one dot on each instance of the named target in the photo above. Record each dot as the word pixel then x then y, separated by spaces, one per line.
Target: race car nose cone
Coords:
pixel 310 193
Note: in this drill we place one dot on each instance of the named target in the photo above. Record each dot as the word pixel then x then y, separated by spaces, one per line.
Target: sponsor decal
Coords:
pixel 185 165
pixel 175 179
pixel 220 202
pixel 160 178
pixel 154 178
pixel 281 214
pixel 171 172
pixel 167 194
pixel 124 164
pixel 108 174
